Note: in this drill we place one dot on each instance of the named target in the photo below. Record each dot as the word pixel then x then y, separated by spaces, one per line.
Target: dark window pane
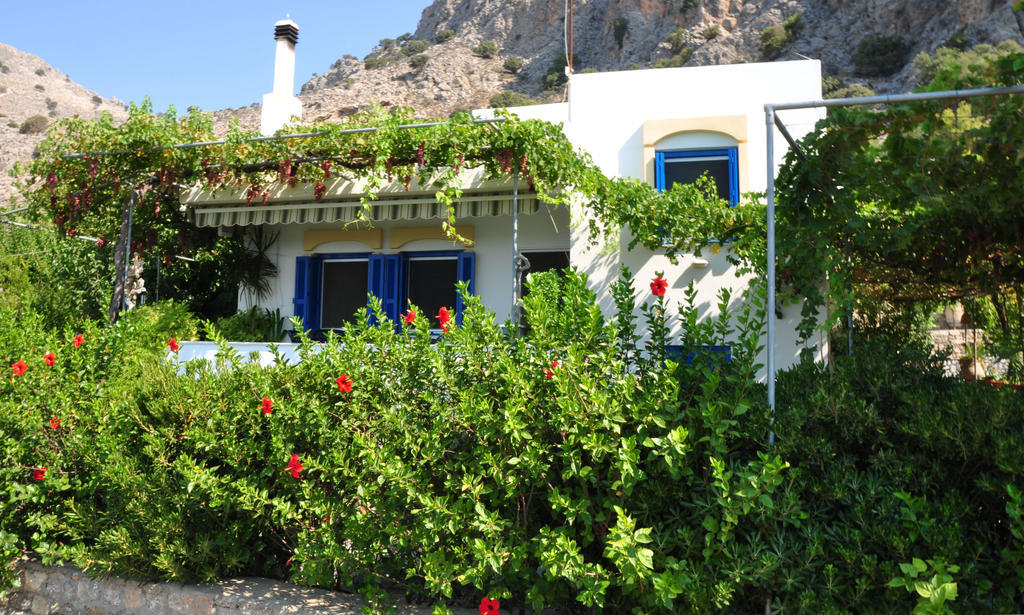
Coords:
pixel 687 170
pixel 432 285
pixel 543 261
pixel 345 285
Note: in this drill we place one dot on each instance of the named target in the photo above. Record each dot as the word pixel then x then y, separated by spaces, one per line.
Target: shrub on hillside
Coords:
pixel 419 61
pixel 444 35
pixel 486 49
pixel 508 98
pixel 619 28
pixel 879 56
pixel 416 47
pixel 513 64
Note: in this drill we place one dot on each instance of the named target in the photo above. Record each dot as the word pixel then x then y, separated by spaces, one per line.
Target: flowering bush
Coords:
pixel 453 470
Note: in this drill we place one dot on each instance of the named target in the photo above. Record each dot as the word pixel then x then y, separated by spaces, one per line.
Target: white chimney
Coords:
pixel 281 104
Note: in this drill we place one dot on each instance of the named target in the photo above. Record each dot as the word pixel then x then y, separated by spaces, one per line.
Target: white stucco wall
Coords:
pixel 605 115
pixel 547 229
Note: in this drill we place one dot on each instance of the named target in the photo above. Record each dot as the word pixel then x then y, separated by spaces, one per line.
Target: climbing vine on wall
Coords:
pixel 84 193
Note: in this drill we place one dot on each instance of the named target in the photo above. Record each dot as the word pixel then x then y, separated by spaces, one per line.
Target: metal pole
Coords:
pixel 515 249
pixel 301 135
pixel 769 113
pixel 128 256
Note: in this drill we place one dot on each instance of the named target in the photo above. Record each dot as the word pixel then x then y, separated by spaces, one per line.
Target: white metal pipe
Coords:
pixel 898 98
pixel 769 114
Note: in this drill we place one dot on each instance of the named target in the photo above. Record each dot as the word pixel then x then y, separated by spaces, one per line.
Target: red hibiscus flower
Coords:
pixel 344 383
pixel 409 317
pixel 54 423
pixel 658 286
pixel 50 358
pixel 39 473
pixel 295 466
pixel 77 342
pixel 489 607
pixel 548 372
pixel 173 344
pixel 18 368
pixel 268 405
pixel 443 316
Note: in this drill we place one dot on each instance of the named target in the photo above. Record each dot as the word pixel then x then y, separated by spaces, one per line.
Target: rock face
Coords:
pixel 623 34
pixel 29 87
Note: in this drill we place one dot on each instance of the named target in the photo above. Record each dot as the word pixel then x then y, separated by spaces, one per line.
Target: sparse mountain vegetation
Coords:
pixel 486 49
pixel 513 64
pixel 881 55
pixel 34 125
pixel 444 35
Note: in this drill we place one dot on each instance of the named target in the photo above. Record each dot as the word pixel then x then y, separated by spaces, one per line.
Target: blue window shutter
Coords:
pixel 467 273
pixel 306 301
pixel 376 279
pixel 314 292
pixel 386 282
pixel 659 171
pixel 394 295
pixel 734 177
pixel 299 300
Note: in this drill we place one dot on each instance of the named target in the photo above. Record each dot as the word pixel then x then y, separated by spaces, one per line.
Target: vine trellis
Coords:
pixel 87 171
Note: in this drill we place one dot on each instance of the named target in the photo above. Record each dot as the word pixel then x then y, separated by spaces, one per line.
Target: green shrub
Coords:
pixel 619 28
pixel 374 61
pixel 96 100
pixel 402 38
pixel 677 41
pixel 879 56
pixel 508 98
pixel 686 5
pixel 711 32
pixel 39 87
pixel 486 49
pixel 773 39
pixel 444 35
pixel 680 59
pixel 12 124
pixel 895 461
pixel 415 48
pixel 253 325
pixel 40 72
pixel 575 468
pixel 555 76
pixel 513 64
pixel 386 44
pixel 419 61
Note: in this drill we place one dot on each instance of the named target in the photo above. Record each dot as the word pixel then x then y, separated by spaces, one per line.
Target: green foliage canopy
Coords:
pixel 925 197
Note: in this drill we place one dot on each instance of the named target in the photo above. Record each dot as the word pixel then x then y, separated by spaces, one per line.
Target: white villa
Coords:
pixel 661 126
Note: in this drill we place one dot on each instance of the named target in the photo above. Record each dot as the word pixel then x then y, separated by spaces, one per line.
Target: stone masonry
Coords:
pixel 68 591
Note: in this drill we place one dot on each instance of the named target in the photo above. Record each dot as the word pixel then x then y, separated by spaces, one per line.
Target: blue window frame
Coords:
pixel 686 354
pixel 330 287
pixel 685 166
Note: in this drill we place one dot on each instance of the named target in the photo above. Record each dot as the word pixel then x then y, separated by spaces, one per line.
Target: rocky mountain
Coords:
pixel 871 42
pixel 465 52
pixel 32 93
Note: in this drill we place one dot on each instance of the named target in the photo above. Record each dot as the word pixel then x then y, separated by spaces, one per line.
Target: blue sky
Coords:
pixel 213 54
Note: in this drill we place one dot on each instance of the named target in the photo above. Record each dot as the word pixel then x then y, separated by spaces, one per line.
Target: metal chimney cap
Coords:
pixel 288 30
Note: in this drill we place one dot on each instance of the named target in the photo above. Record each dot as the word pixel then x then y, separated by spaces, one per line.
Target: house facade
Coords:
pixel 661 126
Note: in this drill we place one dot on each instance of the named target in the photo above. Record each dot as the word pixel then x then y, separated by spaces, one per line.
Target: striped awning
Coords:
pixel 341 202
pixel 470 206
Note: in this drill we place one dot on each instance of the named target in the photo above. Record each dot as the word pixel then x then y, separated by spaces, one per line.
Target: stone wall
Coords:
pixel 68 591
